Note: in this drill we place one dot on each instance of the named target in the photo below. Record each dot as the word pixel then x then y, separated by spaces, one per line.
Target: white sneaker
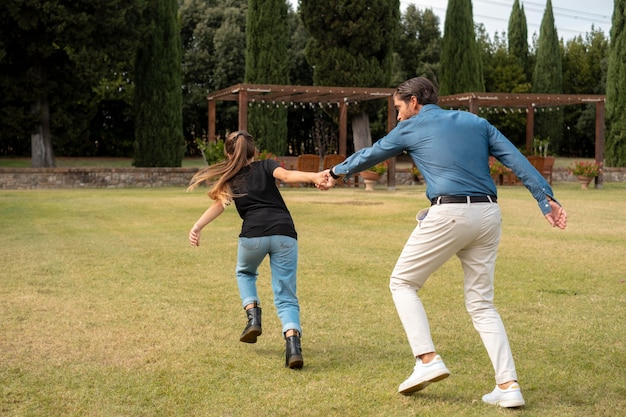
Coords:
pixel 423 375
pixel 507 398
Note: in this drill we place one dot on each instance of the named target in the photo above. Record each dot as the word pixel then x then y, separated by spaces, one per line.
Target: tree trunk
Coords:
pixel 41 142
pixel 361 131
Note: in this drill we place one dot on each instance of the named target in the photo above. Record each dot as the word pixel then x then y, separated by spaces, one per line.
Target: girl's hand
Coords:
pixel 194 236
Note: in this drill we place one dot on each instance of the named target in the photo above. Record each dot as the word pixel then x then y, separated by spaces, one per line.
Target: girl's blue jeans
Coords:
pixel 283 253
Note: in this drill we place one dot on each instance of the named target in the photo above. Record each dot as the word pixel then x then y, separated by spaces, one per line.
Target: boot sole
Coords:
pixel 295 362
pixel 251 335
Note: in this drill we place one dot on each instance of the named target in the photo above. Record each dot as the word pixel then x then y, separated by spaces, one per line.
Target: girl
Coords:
pixel 267 229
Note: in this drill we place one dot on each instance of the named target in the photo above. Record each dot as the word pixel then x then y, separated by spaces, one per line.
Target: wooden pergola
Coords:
pixel 532 102
pixel 304 96
pixel 342 97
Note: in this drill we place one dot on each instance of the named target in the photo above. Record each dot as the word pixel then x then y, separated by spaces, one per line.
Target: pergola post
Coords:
pixel 211 115
pixel 243 109
pixel 391 123
pixel 599 141
pixel 343 128
pixel 530 127
pixel 473 105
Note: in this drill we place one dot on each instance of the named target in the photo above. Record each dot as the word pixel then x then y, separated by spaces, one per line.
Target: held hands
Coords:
pixel 326 181
pixel 557 217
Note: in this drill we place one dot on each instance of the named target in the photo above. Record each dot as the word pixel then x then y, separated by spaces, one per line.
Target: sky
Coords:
pixel 572 17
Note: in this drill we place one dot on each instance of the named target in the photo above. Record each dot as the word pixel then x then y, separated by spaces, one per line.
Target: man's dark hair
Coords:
pixel 422 88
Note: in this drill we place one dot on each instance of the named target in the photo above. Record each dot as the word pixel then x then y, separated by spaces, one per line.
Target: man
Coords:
pixel 451 150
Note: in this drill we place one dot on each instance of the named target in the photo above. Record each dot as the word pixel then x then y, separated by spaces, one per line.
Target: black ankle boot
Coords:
pixel 293 356
pixel 253 328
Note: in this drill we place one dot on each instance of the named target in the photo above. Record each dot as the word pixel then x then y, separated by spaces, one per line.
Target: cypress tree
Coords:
pixel 616 89
pixel 158 94
pixel 267 37
pixel 461 65
pixel 548 78
pixel 518 36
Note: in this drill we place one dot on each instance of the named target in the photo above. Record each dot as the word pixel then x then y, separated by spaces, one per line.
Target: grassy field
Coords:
pixel 106 310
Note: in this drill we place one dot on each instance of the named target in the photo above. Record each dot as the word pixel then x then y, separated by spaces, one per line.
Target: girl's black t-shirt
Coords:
pixel 259 202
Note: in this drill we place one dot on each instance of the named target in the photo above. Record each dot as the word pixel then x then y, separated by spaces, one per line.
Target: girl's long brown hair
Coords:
pixel 239 149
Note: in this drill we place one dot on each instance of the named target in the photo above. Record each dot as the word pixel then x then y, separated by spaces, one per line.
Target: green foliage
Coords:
pixel 300 71
pixel 54 54
pixel 380 168
pixel 503 74
pixel 584 72
pixel 461 65
pixel 418 46
pixel 351 44
pixel 585 168
pixel 267 63
pixel 212 152
pixel 213 35
pixel 548 78
pixel 616 89
pixel 518 36
pixel 350 34
pixel 548 74
pixel 158 98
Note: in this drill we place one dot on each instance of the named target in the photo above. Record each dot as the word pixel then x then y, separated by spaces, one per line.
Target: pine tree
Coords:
pixel 461 66
pixel 267 37
pixel 158 94
pixel 518 36
pixel 548 78
pixel 616 89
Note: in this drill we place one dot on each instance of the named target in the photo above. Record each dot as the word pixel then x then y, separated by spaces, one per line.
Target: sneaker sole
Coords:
pixel 423 384
pixel 251 335
pixel 511 403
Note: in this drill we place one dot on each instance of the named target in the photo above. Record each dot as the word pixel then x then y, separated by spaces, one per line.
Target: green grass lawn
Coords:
pixel 106 310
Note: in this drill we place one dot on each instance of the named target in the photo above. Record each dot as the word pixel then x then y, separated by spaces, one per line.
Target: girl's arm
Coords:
pixel 209 215
pixel 292 176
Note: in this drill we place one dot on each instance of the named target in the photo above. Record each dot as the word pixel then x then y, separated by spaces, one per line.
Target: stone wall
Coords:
pixel 404 177
pixel 42 178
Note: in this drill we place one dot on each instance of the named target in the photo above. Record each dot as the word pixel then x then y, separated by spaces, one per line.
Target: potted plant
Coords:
pixel 498 171
pixel 418 178
pixel 585 171
pixel 373 174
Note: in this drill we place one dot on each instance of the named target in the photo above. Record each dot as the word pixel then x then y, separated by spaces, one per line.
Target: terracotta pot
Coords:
pixel 584 181
pixel 369 175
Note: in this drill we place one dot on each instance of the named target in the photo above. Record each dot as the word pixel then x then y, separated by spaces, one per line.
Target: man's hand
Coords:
pixel 557 217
